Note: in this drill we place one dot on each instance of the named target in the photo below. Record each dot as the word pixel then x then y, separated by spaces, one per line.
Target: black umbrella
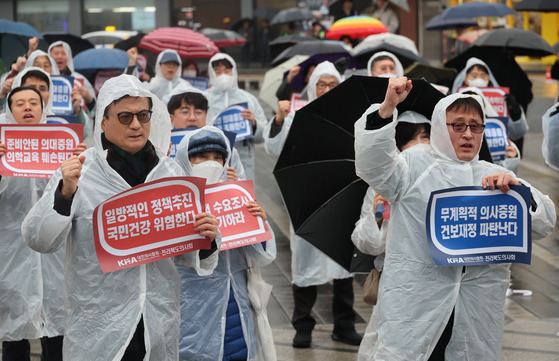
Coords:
pixel 76 43
pixel 240 22
pixel 290 15
pixel 14 40
pixel 281 43
pixel 361 262
pixel 543 6
pixel 433 74
pixel 476 9
pixel 504 67
pixel 436 23
pixel 310 48
pixel 266 12
pixel 131 42
pixel 517 41
pixel 556 47
pixel 321 191
pixel 406 57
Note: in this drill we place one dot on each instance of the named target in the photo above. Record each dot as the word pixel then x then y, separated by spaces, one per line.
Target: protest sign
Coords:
pixel 227 202
pixel 149 222
pixel 61 119
pixel 104 75
pixel 62 94
pixel 230 119
pixel 471 226
pixel 37 150
pixel 496 133
pixel 78 82
pixel 198 82
pixel 496 97
pixel 296 102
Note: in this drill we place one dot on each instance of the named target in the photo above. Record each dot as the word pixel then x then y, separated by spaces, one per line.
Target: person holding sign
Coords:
pixel 32 287
pixel 167 74
pixel 417 296
pixel 225 92
pixel 204 153
pixel 132 136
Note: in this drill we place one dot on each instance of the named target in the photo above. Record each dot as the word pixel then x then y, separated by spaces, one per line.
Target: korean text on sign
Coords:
pixel 231 120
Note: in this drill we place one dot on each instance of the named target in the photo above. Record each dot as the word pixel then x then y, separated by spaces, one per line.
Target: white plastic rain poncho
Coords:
pixel 47 110
pixel 550 129
pixel 204 300
pixel 219 99
pixel 37 53
pixel 397 63
pixel 309 266
pixel 517 128
pixel 235 161
pixel 418 297
pixel 103 309
pixel 32 287
pixel 159 85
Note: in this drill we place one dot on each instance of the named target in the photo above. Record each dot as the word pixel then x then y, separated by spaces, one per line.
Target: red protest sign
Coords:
pixel 496 97
pixel 296 102
pixel 149 222
pixel 37 150
pixel 238 227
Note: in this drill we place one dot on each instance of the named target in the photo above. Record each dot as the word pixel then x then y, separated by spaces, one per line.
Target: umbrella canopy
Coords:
pixel 543 6
pixel 101 58
pixel 504 67
pixel 556 48
pixel 77 44
pixel 274 77
pixel 240 22
pixel 188 43
pixel 396 40
pixel 14 40
pixel 281 43
pixel 266 12
pixel 291 15
pixel 436 23
pixel 403 4
pixel 131 42
pixel 321 191
pixel 222 37
pixel 356 27
pixel 476 9
pixel 310 48
pixel 406 57
pixel 433 74
pixel 517 41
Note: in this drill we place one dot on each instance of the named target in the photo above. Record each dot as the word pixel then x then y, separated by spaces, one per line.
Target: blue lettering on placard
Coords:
pixel 231 120
pixel 62 97
pixel 496 133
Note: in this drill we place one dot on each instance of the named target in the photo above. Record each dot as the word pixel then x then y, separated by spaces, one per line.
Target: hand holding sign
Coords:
pixel 500 180
pixel 3 149
pixel 256 210
pixel 82 147
pixel 206 225
pixel 76 100
pixel 249 115
pixel 71 171
pixel 232 174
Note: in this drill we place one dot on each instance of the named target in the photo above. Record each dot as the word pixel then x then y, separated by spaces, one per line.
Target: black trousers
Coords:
pixel 342 307
pixel 136 349
pixel 21 350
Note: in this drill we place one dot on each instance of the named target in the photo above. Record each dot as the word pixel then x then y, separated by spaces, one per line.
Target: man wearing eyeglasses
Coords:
pixel 417 296
pixel 133 313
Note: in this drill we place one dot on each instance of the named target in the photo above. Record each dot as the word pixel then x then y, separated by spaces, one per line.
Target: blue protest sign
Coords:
pixel 198 82
pixel 62 98
pixel 230 120
pixel 178 134
pixel 496 133
pixel 61 119
pixel 471 226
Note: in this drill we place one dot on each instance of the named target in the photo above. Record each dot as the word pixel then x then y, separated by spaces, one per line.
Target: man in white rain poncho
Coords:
pixel 417 296
pixel 224 92
pixel 550 128
pixel 134 312
pixel 309 266
pixel 385 65
pixel 167 73
pixel 32 287
pixel 228 331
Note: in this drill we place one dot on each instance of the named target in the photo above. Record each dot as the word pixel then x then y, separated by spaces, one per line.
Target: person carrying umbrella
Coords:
pixel 310 267
pixel 167 74
pixel 385 65
pixel 418 297
pixel 224 92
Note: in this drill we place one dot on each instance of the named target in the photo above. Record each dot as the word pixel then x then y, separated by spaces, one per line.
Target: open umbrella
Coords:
pixel 356 27
pixel 543 6
pixel 556 47
pixel 433 74
pixel 403 4
pixel 436 23
pixel 405 56
pixel 283 42
pixel 222 37
pixel 476 9
pixel 188 43
pixel 14 40
pixel 266 12
pixel 77 44
pixel 396 40
pixel 291 15
pixel 95 59
pixel 517 41
pixel 131 42
pixel 321 191
pixel 310 48
pixel 274 77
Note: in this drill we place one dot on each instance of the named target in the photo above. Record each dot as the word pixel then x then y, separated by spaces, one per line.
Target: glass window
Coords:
pixel 51 16
pixel 121 14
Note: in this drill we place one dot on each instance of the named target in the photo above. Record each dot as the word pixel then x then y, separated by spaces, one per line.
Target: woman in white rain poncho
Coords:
pixel 550 128
pixel 417 296
pixel 225 92
pixel 164 80
pixel 104 309
pixel 205 324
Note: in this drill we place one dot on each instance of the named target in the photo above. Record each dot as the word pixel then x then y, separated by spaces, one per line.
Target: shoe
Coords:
pixel 302 340
pixel 350 338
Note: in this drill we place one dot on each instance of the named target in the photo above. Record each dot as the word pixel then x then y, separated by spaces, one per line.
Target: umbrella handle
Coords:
pixel 378 210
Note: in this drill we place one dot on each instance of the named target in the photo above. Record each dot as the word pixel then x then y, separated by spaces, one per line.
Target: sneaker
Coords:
pixel 302 340
pixel 350 338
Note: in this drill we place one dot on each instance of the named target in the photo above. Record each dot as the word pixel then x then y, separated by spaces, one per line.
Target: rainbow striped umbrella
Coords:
pixel 356 27
pixel 188 43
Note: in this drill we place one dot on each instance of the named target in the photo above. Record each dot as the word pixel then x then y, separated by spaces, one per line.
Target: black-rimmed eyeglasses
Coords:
pixel 461 127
